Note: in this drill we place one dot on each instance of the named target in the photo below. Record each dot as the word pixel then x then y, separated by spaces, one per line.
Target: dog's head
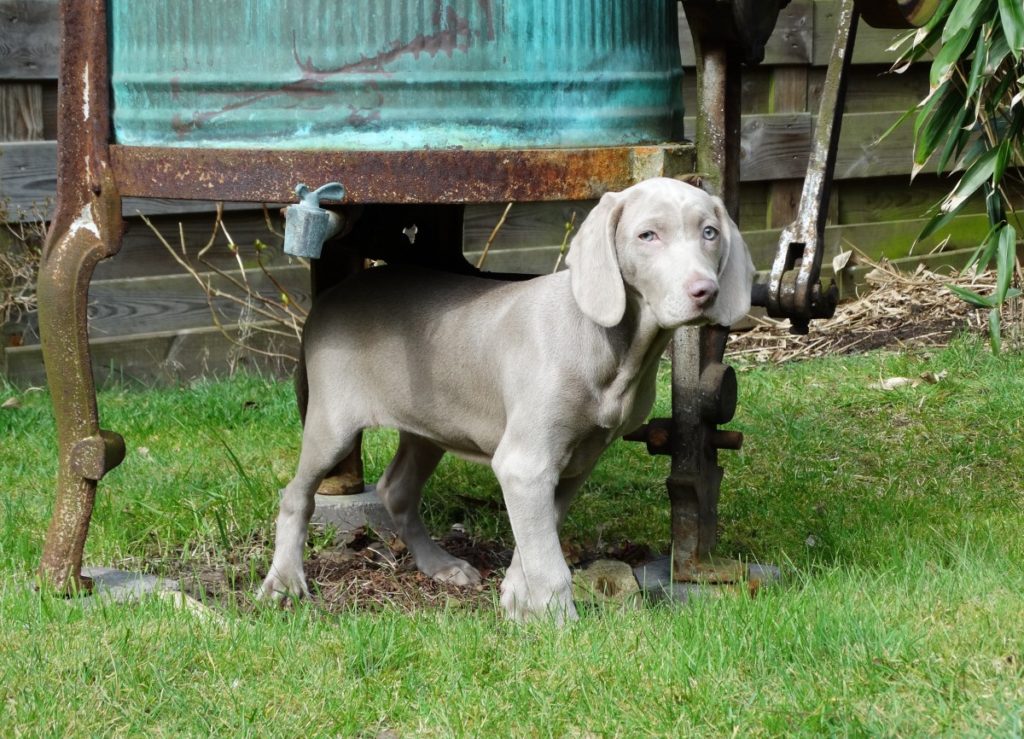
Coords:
pixel 670 243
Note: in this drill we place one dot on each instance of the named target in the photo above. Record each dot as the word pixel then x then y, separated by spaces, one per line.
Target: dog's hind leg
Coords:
pixel 401 488
pixel 322 448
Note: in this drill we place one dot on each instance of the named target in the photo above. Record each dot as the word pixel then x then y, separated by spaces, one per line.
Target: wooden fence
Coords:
pixel 150 321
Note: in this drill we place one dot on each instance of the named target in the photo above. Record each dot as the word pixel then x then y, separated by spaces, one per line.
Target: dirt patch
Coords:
pixel 372 575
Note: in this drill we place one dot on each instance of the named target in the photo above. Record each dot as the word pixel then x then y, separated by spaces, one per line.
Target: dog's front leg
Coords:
pixel 537 582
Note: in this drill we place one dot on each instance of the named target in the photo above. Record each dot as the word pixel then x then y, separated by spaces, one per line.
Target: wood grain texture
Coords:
pixel 29 39
pixel 171 303
pixel 872 43
pixel 21 111
pixel 165 358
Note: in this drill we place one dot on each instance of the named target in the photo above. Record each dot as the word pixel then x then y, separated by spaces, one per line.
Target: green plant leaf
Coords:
pixel 1011 13
pixel 962 16
pixel 949 55
pixel 984 253
pixel 975 77
pixel 954 144
pixel 937 222
pixel 971 297
pixel 936 122
pixel 998 50
pixel 980 172
pixel 994 333
pixel 938 20
pixel 1003 153
pixel 1006 262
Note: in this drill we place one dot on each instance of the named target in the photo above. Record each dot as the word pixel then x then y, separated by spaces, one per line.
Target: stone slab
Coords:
pixel 121 586
pixel 346 513
pixel 656 583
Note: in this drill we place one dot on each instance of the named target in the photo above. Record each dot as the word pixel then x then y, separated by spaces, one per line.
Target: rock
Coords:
pixel 605 581
pixel 348 513
pixel 656 582
pixel 121 586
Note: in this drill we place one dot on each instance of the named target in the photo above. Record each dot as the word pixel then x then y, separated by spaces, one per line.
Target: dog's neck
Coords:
pixel 637 343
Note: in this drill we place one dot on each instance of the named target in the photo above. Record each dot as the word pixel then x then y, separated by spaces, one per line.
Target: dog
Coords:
pixel 535 378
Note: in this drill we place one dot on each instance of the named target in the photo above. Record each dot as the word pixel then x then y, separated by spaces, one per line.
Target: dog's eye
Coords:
pixel 710 233
pixel 648 236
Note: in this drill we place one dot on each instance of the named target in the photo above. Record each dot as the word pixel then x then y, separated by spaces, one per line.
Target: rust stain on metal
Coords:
pixel 418 176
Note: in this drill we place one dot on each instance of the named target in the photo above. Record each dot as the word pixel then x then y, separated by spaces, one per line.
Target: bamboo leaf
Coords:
pixel 1002 159
pixel 943 116
pixel 980 172
pixel 984 253
pixel 1011 13
pixel 937 222
pixel 970 297
pixel 994 334
pixel 998 50
pixel 975 77
pixel 897 124
pixel 949 55
pixel 955 142
pixel 939 18
pixel 962 16
pixel 1006 262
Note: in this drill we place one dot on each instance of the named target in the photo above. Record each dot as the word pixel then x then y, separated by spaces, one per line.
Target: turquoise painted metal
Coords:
pixel 395 74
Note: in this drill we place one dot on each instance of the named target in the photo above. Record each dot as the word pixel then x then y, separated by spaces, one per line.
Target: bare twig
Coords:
pixel 282 316
pixel 490 239
pixel 570 226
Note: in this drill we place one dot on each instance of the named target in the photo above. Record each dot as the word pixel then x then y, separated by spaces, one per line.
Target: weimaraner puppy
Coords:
pixel 535 378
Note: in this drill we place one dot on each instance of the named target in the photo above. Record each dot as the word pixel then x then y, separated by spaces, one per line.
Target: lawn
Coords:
pixel 896 515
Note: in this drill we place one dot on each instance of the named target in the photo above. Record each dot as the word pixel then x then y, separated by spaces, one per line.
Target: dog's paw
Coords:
pixel 446 568
pixel 280 584
pixel 521 603
pixel 459 573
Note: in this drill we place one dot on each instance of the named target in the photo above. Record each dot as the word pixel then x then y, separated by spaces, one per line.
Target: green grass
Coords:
pixel 898 514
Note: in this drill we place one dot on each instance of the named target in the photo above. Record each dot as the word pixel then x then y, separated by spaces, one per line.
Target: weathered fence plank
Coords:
pixel 29 39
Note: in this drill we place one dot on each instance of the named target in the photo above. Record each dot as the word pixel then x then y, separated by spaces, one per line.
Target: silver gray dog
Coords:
pixel 535 378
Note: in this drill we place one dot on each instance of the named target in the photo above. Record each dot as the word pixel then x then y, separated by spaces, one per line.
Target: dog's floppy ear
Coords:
pixel 593 266
pixel 735 273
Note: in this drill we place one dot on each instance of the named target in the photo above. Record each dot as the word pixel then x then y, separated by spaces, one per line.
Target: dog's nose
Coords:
pixel 703 292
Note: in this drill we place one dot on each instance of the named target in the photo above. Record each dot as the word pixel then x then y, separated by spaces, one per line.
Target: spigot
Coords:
pixel 306 225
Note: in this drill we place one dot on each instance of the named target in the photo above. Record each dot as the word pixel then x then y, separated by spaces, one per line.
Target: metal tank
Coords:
pixel 394 74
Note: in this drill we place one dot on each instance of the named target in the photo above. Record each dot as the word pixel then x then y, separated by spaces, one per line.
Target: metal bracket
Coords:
pixel 793 290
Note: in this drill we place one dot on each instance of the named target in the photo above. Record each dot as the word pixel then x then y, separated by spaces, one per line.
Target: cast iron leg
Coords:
pixel 85 452
pixel 698 374
pixel 703 395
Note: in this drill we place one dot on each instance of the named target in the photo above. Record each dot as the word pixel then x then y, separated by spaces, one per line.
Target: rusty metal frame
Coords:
pixel 418 176
pixel 85 229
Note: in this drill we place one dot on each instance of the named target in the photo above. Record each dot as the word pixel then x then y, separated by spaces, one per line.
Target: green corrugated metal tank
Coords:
pixel 395 74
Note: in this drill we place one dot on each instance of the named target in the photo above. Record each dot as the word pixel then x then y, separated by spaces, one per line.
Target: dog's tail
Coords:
pixel 302 383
